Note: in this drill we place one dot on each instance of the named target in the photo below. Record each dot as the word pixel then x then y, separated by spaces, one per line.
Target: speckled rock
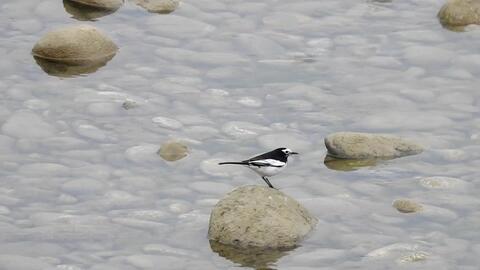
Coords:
pixel 101 4
pixel 460 13
pixel 75 45
pixel 257 216
pixel 158 6
pixel 355 145
pixel 173 151
pixel 407 206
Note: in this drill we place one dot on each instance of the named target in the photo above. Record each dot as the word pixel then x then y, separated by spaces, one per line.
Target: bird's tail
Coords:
pixel 234 163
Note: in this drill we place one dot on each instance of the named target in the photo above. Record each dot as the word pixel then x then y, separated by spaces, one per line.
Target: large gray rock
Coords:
pixel 457 13
pixel 73 50
pixel 257 216
pixel 75 45
pixel 355 145
pixel 158 6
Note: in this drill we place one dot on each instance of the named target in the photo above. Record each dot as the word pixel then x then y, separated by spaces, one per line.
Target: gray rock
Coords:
pixel 173 151
pixel 457 13
pixel 407 206
pixel 355 145
pixel 158 6
pixel 75 45
pixel 257 216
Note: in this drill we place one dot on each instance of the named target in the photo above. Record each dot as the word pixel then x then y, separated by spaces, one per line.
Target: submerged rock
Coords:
pixel 158 6
pixel 356 145
pixel 407 206
pixel 347 165
pixel 457 13
pixel 256 216
pixel 173 151
pixel 86 10
pixel 104 4
pixel 252 257
pixel 83 47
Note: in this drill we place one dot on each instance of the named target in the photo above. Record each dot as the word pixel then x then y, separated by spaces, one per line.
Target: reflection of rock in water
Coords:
pixel 83 12
pixel 349 164
pixel 253 257
pixel 66 70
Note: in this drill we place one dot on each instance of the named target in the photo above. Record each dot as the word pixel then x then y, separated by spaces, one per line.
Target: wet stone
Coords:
pixel 173 151
pixel 73 50
pixel 355 145
pixel 244 216
pixel 407 206
pixel 458 13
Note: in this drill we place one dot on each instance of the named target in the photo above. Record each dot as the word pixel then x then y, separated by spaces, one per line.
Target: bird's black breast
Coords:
pixel 277 154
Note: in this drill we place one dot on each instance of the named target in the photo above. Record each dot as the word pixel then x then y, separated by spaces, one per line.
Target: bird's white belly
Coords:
pixel 266 171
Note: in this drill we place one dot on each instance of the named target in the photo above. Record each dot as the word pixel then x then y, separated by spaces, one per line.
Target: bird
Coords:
pixel 266 164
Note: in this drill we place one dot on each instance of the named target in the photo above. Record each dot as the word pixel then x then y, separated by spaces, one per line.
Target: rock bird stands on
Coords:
pixel 267 164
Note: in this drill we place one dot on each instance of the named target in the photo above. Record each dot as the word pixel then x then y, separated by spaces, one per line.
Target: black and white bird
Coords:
pixel 267 164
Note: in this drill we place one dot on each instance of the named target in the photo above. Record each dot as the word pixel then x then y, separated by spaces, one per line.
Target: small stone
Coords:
pixel 407 206
pixel 166 122
pixel 158 6
pixel 129 104
pixel 439 182
pixel 173 151
pixel 355 145
pixel 458 13
pixel 244 218
pixel 413 257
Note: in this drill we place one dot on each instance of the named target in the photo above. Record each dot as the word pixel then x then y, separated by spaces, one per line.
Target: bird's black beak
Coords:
pixel 293 153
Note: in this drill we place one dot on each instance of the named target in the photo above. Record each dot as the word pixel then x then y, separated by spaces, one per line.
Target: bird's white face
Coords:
pixel 288 152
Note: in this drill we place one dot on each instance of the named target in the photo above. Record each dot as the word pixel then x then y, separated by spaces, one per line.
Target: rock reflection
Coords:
pixel 256 258
pixel 85 13
pixel 350 164
pixel 67 70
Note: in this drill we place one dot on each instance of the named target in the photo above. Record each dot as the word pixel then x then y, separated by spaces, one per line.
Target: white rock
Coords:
pixel 167 122
pixel 25 124
pixel 243 130
pixel 91 132
pixel 441 182
pixel 142 153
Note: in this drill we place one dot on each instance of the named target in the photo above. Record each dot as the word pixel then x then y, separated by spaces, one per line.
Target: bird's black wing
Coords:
pixel 275 154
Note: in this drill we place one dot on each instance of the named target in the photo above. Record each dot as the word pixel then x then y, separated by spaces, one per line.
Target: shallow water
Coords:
pixel 83 188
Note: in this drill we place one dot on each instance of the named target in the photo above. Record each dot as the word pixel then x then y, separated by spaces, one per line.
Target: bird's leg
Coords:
pixel 268 182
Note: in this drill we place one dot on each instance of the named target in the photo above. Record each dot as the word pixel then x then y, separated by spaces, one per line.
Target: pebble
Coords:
pixel 407 206
pixel 166 122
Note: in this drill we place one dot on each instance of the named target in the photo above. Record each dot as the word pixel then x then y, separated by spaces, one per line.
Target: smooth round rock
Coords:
pixel 173 151
pixel 457 13
pixel 103 4
pixel 355 145
pixel 407 206
pixel 257 216
pixel 75 45
pixel 158 6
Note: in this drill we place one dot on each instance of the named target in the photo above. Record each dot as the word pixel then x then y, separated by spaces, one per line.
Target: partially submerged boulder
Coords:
pixel 458 13
pixel 89 10
pixel 356 145
pixel 81 45
pixel 100 4
pixel 158 6
pixel 257 216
